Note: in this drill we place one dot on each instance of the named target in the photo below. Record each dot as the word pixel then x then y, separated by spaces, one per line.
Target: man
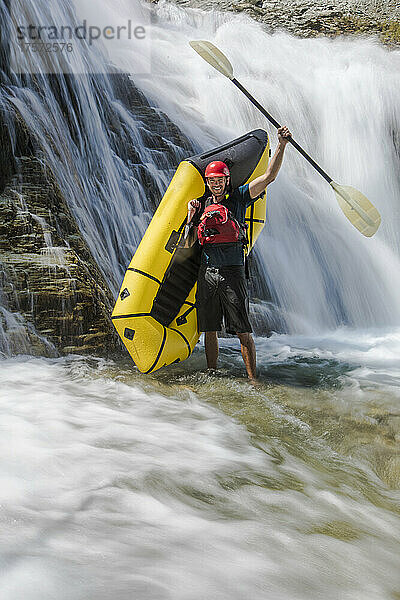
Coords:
pixel 222 286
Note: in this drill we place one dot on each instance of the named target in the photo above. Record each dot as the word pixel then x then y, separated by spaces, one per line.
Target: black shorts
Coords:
pixel 222 294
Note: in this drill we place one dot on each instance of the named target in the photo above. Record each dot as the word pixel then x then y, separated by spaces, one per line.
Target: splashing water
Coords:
pixel 110 488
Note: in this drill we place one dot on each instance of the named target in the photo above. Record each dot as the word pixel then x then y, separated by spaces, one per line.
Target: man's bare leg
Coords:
pixel 248 353
pixel 211 346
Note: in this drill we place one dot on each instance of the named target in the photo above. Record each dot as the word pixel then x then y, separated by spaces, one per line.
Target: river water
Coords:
pixel 186 485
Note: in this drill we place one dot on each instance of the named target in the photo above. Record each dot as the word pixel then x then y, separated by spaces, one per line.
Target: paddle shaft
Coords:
pixel 277 125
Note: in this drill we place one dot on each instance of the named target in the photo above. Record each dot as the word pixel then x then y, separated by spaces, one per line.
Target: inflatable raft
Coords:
pixel 155 313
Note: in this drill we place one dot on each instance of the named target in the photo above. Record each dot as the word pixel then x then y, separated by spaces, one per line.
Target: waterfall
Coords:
pixel 111 156
pixel 93 144
pixel 337 96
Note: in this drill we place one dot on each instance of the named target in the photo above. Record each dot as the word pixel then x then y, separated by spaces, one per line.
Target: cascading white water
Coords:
pixel 69 119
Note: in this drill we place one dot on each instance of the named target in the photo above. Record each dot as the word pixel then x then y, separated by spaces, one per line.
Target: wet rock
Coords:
pixel 53 282
pixel 53 297
pixel 319 17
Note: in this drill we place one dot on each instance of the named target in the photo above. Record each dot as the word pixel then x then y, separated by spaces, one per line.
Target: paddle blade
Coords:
pixel 357 208
pixel 213 56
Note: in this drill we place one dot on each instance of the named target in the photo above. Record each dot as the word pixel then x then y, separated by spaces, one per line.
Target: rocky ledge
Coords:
pixel 318 17
pixel 48 276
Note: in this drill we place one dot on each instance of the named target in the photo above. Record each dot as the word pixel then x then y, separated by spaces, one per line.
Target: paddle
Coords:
pixel 356 207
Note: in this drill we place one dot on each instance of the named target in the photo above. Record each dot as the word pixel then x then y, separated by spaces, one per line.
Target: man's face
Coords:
pixel 217 185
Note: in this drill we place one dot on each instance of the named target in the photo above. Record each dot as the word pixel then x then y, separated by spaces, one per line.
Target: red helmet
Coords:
pixel 217 168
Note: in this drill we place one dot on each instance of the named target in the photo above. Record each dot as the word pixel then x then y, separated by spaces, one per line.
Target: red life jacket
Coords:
pixel 218 226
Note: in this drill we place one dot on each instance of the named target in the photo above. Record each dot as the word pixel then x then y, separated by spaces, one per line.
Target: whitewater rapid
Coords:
pixel 116 486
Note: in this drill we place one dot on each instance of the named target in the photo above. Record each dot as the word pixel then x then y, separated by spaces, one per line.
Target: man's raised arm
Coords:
pixel 258 186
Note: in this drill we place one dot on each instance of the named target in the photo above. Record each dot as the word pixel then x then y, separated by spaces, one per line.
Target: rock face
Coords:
pixel 51 277
pixel 318 17
pixel 53 297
